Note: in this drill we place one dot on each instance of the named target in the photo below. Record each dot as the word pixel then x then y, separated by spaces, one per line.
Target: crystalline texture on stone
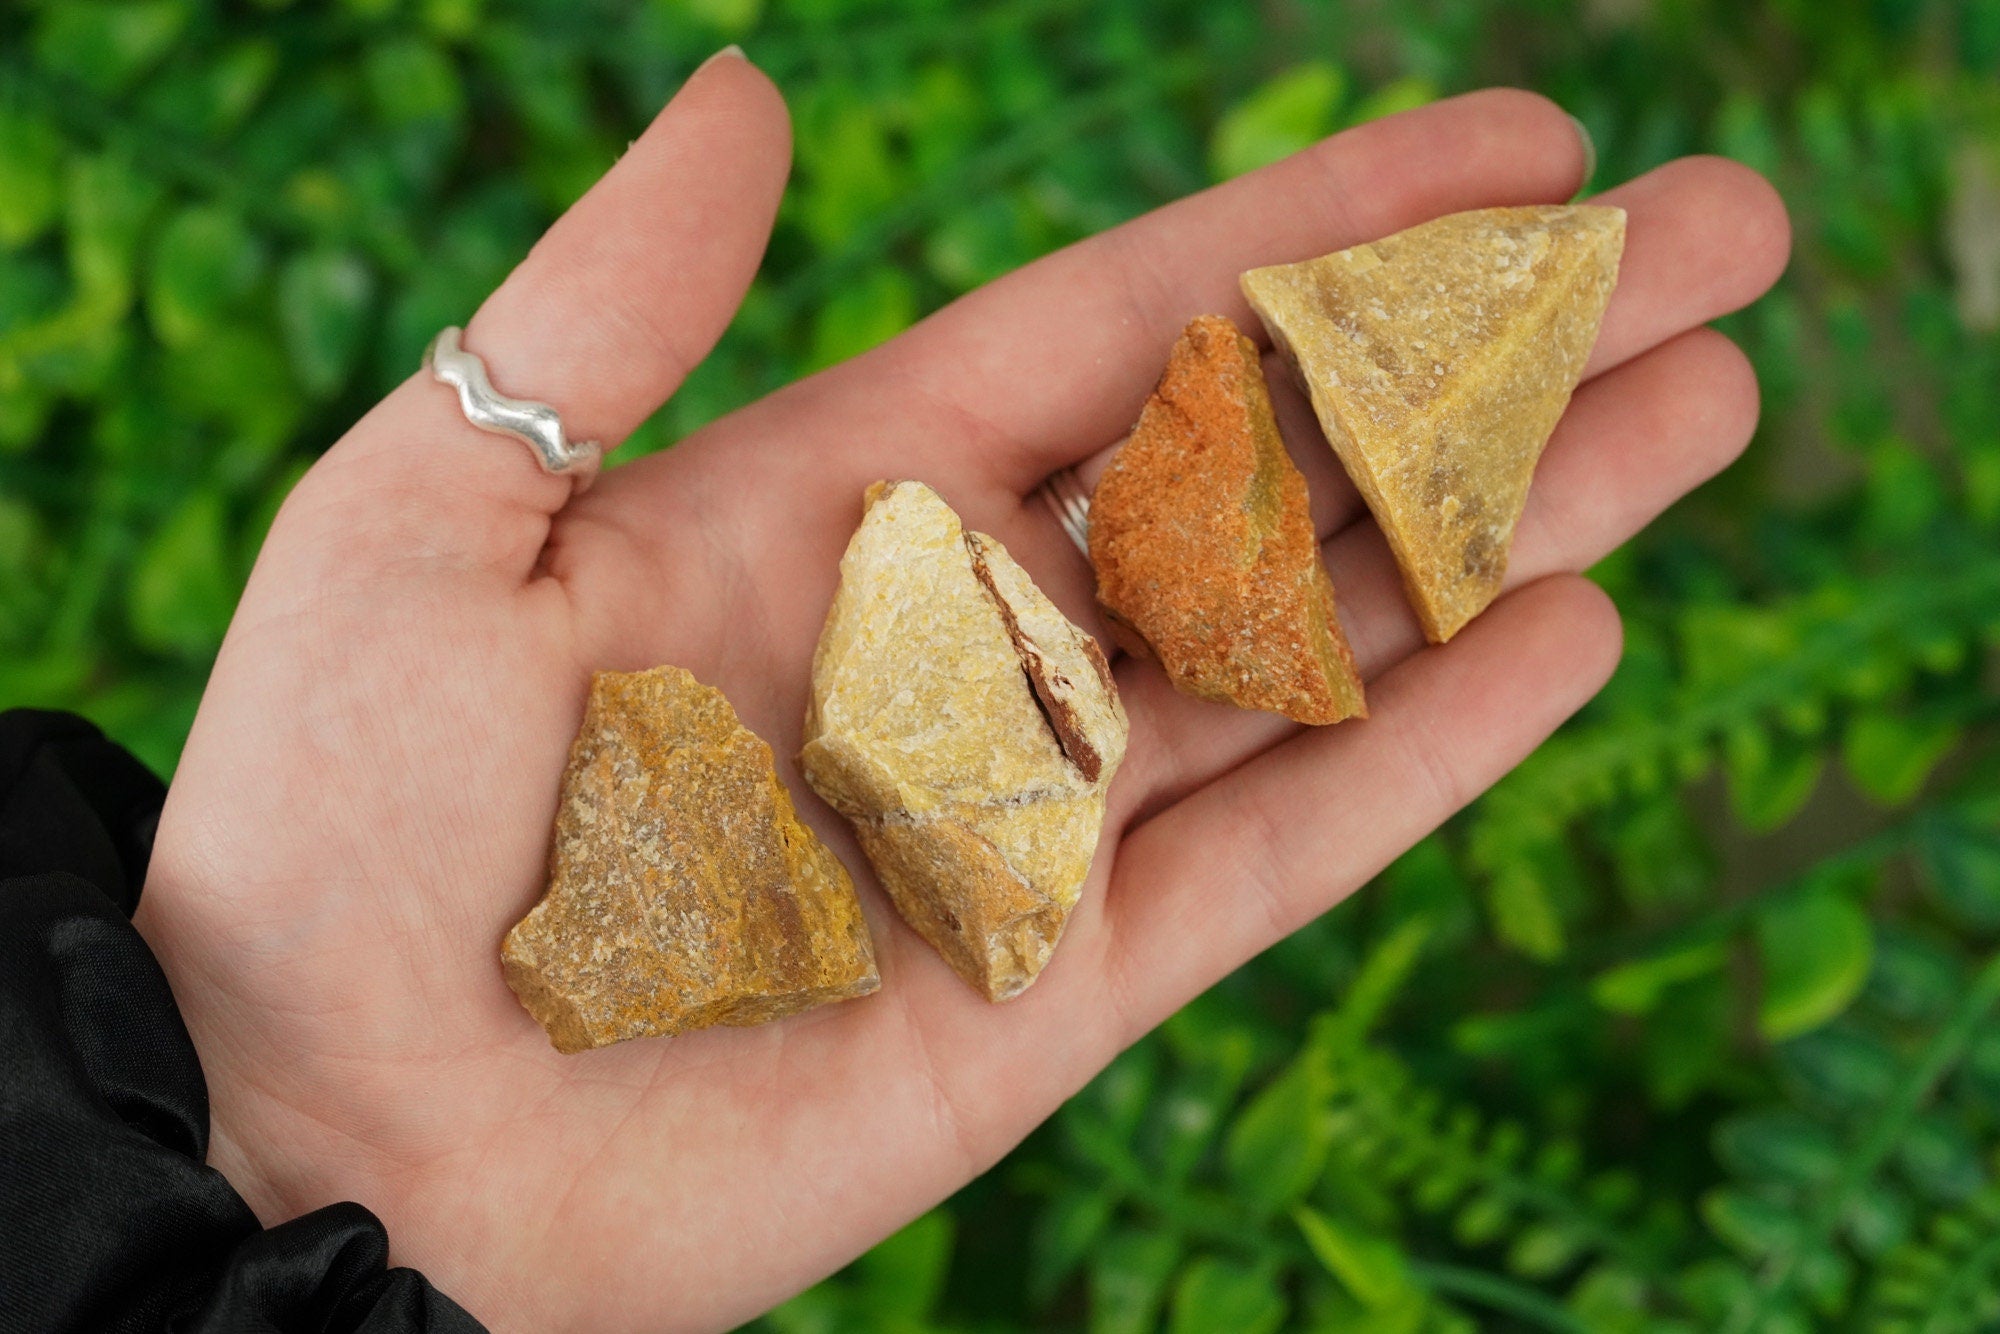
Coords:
pixel 1204 545
pixel 1439 360
pixel 683 889
pixel 968 731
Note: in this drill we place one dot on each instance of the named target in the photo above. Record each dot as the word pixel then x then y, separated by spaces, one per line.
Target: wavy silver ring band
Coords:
pixel 536 425
pixel 1070 503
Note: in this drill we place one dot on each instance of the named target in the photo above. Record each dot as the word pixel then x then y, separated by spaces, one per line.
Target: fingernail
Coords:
pixel 1589 149
pixel 731 50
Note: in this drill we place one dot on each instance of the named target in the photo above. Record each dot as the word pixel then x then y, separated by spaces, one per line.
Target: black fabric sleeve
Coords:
pixel 109 1219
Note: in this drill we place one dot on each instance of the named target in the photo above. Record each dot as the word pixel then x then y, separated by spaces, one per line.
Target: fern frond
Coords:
pixel 1786 665
pixel 1948 1283
pixel 1780 1272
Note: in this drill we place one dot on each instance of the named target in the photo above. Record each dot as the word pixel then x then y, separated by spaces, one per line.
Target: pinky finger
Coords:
pixel 1228 870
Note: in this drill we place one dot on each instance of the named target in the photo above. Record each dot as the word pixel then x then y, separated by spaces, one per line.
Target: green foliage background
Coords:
pixel 1689 1025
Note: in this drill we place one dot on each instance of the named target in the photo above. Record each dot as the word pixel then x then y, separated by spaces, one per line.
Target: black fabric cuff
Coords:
pixel 109 1219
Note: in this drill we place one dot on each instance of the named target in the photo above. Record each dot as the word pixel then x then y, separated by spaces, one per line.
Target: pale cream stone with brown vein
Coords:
pixel 968 731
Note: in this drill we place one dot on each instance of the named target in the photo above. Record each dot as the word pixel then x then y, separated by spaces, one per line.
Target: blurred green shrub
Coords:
pixel 1688 1025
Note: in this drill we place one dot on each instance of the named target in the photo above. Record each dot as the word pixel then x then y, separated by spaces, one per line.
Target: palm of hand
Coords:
pixel 364 805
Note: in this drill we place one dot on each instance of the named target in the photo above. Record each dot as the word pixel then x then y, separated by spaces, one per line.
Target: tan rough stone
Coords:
pixel 1439 360
pixel 967 730
pixel 683 889
pixel 1204 547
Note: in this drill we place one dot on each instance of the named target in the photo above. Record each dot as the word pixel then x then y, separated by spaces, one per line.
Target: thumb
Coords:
pixel 610 310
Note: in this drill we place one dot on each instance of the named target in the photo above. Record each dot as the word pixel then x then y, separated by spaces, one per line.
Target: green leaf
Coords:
pixel 1982 487
pixel 30 176
pixel 1816 944
pixel 1779 1145
pixel 1065 1231
pixel 1841 1069
pixel 861 315
pixel 1889 755
pixel 1524 913
pixel 1770 775
pixel 729 17
pixel 1289 112
pixel 324 299
pixel 1123 1090
pixel 1215 1053
pixel 105 45
pixel 850 175
pixel 241 76
pixel 1382 976
pixel 235 376
pixel 183 591
pixel 904 1273
pixel 1637 987
pixel 1961 867
pixel 1744 131
pixel 107 202
pixel 29 565
pixel 1369 1267
pixel 978 242
pixel 1825 1276
pixel 1754 1222
pixel 1662 856
pixel 1483 1219
pixel 1392 98
pixel 1222 1297
pixel 1544 1250
pixel 1688 1039
pixel 204 261
pixel 1939 1157
pixel 1277 1148
pixel 413 82
pixel 1128 1279
pixel 1979 1074
pixel 24 412
pixel 1427 883
pixel 453 19
pixel 1723 644
pixel 1904 495
pixel 1915 978
pixel 820 1310
pixel 1609 1299
pixel 1877 1217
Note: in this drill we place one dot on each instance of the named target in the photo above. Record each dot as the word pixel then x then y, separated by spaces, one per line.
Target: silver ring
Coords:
pixel 1070 503
pixel 536 425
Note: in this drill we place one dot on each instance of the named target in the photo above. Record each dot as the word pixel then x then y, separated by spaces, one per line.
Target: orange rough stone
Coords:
pixel 1439 360
pixel 1204 545
pixel 683 890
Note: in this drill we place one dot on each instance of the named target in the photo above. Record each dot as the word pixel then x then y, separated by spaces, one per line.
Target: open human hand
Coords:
pixel 364 805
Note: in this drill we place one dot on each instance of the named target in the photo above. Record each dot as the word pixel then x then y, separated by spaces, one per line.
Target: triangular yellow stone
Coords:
pixel 1439 360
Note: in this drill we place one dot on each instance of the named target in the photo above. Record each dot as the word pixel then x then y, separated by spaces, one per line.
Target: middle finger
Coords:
pixel 1704 236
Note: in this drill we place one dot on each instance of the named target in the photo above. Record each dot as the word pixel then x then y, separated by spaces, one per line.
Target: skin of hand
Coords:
pixel 364 804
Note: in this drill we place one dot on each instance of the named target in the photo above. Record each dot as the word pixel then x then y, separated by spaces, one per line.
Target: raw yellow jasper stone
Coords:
pixel 1439 360
pixel 968 730
pixel 1204 545
pixel 683 890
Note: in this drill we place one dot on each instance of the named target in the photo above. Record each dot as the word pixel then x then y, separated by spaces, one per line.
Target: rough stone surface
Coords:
pixel 968 730
pixel 1439 360
pixel 1204 544
pixel 683 890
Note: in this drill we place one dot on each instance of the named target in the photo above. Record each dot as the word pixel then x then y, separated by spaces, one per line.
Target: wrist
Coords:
pixel 239 1142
